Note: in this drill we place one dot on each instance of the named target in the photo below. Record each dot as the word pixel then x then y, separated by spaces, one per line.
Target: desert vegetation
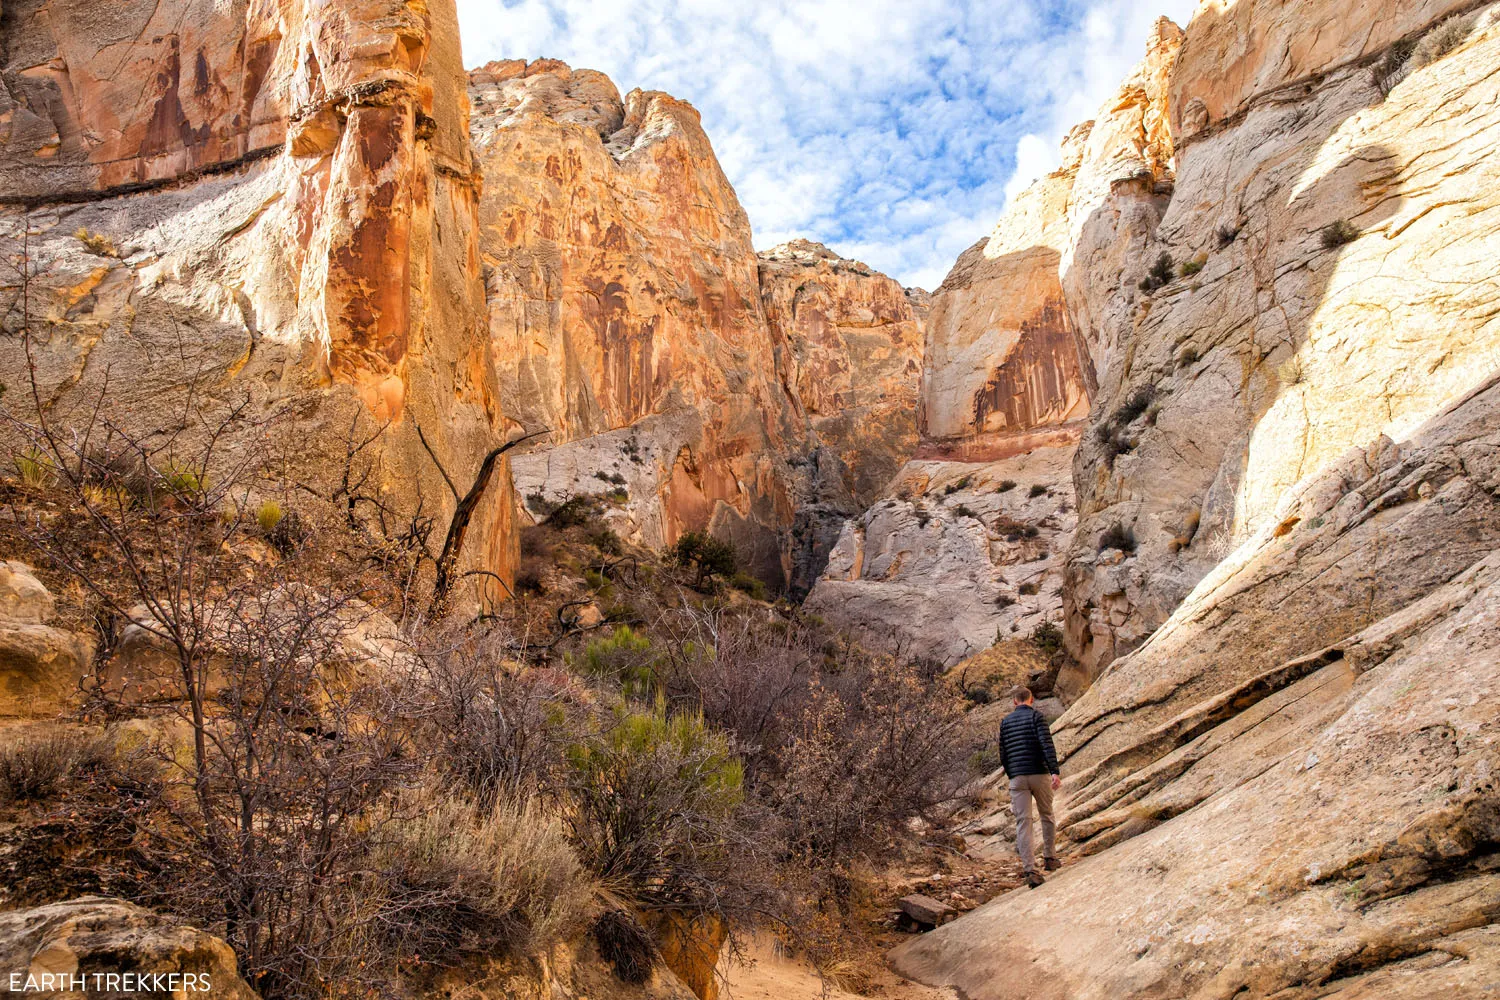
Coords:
pixel 289 739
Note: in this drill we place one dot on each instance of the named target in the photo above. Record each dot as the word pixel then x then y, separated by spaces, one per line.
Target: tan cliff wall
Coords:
pixel 280 207
pixel 849 347
pixel 968 547
pixel 1279 771
pixel 631 317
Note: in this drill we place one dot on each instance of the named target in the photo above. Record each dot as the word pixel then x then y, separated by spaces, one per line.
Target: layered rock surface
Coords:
pixel 1283 582
pixel 266 210
pixel 703 385
pixel 956 559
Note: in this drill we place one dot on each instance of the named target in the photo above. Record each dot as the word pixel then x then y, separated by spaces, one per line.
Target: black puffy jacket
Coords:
pixel 1026 744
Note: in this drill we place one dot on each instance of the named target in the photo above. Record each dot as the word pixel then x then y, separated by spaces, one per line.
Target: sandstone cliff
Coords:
pixel 966 547
pixel 701 385
pixel 1282 585
pixel 269 210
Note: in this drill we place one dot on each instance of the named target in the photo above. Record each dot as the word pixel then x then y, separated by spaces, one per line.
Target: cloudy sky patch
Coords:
pixel 891 130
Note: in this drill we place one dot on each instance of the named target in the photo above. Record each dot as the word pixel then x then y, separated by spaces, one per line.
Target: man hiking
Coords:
pixel 1030 763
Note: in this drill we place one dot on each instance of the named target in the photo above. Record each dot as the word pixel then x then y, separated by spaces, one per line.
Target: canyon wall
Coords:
pixel 265 210
pixel 1282 591
pixel 968 547
pixel 695 383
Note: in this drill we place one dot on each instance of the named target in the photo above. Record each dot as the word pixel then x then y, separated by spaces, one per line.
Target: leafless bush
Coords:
pixel 495 729
pixel 35 764
pixel 878 744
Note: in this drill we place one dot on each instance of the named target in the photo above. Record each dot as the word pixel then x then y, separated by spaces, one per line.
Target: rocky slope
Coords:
pixel 702 384
pixel 1283 583
pixel 966 547
pixel 269 211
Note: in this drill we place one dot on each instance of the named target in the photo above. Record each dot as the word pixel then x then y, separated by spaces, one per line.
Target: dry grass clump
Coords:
pixel 466 877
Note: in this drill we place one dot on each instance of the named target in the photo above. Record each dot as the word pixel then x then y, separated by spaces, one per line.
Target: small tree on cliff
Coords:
pixel 707 556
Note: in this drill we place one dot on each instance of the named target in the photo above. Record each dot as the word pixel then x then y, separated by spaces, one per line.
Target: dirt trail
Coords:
pixel 768 976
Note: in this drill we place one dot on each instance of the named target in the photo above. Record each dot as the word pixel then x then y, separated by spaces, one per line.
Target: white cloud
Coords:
pixel 892 130
pixel 1035 157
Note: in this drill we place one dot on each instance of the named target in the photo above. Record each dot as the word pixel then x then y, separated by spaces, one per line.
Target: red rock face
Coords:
pixel 630 316
pixel 1006 370
pixel 290 189
pixel 849 353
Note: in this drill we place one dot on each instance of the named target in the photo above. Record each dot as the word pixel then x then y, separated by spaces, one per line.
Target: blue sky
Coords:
pixel 891 130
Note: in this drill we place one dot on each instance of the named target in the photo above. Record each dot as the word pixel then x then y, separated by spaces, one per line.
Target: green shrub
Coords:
pixel 575 512
pixel 1161 273
pixel 653 800
pixel 625 656
pixel 1006 486
pixel 1047 637
pixel 1190 268
pixel 955 486
pixel 268 516
pixel 607 541
pixel 707 556
pixel 182 481
pixel 1029 589
pixel 34 467
pixel 1037 489
pixel 751 585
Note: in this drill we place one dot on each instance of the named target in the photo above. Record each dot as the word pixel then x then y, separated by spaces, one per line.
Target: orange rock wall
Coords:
pixel 289 188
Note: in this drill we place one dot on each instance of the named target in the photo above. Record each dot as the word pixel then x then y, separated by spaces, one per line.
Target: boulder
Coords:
pixel 90 945
pixel 41 669
pixel 24 598
pixel 926 911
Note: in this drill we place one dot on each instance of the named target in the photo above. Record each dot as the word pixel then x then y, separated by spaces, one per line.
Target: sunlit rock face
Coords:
pixel 1283 584
pixel 632 319
pixel 1288 347
pixel 622 293
pixel 272 204
pixel 958 556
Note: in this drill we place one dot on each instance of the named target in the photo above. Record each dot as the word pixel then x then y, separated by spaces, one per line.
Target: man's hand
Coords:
pixel 1056 782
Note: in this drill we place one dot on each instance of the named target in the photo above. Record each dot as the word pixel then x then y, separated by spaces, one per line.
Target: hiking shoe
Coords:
pixel 1051 864
pixel 1035 880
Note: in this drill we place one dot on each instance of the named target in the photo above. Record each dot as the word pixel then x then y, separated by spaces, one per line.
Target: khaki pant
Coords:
pixel 1022 790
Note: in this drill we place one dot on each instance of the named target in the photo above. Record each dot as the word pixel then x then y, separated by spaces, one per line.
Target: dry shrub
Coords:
pixel 463 876
pixel 1441 40
pixel 877 743
pixel 624 944
pixel 36 764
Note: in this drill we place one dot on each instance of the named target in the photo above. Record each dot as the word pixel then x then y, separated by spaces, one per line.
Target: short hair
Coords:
pixel 1020 695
